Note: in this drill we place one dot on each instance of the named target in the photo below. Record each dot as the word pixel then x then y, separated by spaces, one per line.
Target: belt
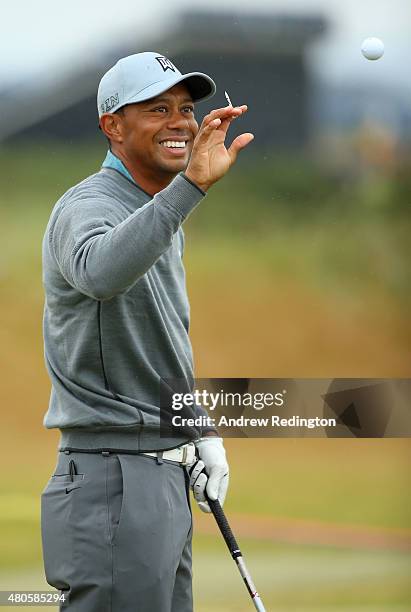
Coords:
pixel 185 454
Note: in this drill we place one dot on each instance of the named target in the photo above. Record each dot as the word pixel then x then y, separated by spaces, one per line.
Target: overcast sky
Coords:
pixel 47 37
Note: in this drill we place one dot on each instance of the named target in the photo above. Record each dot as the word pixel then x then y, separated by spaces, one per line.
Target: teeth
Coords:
pixel 173 144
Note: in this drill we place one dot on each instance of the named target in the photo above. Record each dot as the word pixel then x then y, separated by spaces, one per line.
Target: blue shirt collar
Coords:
pixel 111 161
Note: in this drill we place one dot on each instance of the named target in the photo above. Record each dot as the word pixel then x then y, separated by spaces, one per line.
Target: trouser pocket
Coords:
pixel 56 506
pixel 115 494
pixel 75 533
pixel 56 521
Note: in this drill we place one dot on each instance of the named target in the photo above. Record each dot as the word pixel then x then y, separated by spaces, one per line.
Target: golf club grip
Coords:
pixel 224 527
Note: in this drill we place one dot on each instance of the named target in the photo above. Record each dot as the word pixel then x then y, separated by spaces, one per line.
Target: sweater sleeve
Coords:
pixel 102 256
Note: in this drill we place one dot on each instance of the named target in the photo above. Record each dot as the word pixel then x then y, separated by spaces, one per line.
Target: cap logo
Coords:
pixel 109 103
pixel 165 63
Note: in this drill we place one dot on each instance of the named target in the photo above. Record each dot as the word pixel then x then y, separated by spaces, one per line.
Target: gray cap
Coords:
pixel 142 76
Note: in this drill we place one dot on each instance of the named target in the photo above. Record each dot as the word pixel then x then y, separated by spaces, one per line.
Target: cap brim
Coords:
pixel 200 86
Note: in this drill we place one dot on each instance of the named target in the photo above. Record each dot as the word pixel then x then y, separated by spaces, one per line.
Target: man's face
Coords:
pixel 148 127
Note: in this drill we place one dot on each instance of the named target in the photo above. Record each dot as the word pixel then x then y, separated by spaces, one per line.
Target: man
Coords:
pixel 116 520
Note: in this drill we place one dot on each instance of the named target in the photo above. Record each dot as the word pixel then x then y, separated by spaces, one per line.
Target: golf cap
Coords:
pixel 142 76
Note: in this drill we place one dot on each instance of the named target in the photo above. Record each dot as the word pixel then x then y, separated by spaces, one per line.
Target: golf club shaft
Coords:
pixel 235 551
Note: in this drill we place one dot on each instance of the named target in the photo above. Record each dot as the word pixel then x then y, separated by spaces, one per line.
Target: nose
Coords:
pixel 176 119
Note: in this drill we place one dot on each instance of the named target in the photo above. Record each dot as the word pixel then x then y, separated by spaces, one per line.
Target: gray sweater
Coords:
pixel 116 313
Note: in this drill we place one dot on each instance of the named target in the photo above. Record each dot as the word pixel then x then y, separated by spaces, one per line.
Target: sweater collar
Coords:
pixel 112 161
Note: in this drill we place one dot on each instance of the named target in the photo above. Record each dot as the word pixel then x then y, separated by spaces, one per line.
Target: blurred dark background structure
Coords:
pixel 259 59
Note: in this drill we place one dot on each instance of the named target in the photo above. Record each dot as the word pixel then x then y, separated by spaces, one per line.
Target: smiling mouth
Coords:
pixel 176 145
pixel 176 148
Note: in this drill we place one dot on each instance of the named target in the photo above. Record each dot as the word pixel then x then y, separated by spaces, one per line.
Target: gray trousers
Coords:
pixel 116 534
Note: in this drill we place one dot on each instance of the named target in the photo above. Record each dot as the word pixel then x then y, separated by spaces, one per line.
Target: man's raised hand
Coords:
pixel 210 159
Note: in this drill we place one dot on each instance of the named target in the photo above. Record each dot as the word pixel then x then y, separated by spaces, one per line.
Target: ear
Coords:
pixel 111 126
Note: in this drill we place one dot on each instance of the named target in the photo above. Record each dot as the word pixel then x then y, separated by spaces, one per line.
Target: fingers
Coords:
pixel 206 130
pixel 217 484
pixel 195 472
pixel 223 489
pixel 199 488
pixel 204 507
pixel 198 483
pixel 213 487
pixel 225 112
pixel 220 118
pixel 239 143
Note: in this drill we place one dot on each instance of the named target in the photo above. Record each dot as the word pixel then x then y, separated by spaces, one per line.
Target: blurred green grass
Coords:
pixel 288 577
pixel 359 482
pixel 343 481
pixel 282 216
pixel 301 578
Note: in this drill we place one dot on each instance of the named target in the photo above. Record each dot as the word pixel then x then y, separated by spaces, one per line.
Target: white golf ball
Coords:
pixel 372 48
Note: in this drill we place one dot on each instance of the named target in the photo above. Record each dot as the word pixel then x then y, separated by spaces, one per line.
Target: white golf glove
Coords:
pixel 213 462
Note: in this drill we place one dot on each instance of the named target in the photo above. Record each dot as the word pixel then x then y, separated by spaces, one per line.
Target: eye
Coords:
pixel 189 109
pixel 158 109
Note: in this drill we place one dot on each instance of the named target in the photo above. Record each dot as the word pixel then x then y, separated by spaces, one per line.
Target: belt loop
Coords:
pixel 159 458
pixel 105 453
